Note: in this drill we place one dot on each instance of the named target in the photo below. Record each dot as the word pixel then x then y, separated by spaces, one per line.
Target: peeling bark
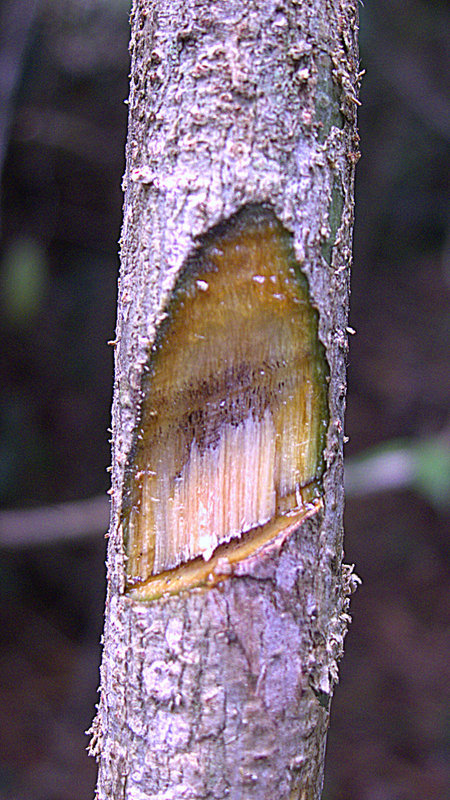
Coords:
pixel 225 692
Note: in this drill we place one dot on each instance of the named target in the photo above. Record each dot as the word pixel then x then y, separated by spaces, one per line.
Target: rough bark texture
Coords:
pixel 224 693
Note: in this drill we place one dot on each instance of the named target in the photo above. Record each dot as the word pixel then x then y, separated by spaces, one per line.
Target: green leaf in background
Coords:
pixel 432 471
pixel 24 275
pixel 421 464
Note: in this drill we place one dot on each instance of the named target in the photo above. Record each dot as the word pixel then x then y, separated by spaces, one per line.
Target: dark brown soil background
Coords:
pixel 63 82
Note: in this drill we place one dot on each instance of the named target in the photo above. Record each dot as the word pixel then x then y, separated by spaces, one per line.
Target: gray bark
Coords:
pixel 225 692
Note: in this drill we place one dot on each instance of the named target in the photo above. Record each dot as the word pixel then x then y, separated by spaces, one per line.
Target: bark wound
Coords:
pixel 228 450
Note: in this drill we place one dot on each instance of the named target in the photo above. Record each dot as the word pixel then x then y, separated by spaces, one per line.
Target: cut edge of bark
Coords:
pixel 221 566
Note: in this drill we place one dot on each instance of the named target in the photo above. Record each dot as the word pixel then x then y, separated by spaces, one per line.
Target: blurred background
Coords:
pixel 63 81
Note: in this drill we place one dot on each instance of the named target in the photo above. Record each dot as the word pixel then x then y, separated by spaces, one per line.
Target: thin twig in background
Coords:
pixel 65 522
pixel 385 468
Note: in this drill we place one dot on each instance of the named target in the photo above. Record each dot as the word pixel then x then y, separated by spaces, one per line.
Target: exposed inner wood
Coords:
pixel 220 567
pixel 234 413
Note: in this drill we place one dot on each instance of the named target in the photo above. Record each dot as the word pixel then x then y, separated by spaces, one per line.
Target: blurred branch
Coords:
pixel 423 465
pixel 379 472
pixel 65 522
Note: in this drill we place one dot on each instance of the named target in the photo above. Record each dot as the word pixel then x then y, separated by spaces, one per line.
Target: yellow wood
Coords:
pixel 200 573
pixel 234 408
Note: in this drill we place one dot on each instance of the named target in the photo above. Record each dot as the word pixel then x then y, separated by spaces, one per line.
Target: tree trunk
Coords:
pixel 225 691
